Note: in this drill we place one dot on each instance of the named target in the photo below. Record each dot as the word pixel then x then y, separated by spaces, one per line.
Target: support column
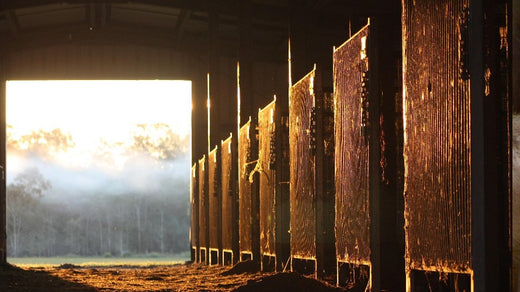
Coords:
pixel 246 103
pixel 516 110
pixel 302 60
pixel 386 156
pixel 490 163
pixel 516 56
pixel 308 43
pixel 214 98
pixel 3 209
pixel 199 130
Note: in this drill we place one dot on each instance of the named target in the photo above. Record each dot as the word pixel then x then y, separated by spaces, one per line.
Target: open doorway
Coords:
pixel 98 171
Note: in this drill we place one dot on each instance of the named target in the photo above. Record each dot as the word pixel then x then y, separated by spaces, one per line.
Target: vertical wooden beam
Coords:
pixel 309 45
pixel 299 35
pixel 199 118
pixel 516 56
pixel 247 107
pixel 477 147
pixel 516 110
pixel 237 130
pixel 386 190
pixel 208 107
pixel 234 205
pixel 478 195
pixel 490 201
pixel 374 155
pixel 214 98
pixel 3 144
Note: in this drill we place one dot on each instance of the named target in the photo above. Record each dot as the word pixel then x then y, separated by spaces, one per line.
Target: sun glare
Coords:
pixel 96 114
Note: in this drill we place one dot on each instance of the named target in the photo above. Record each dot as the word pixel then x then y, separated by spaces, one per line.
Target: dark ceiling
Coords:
pixel 179 24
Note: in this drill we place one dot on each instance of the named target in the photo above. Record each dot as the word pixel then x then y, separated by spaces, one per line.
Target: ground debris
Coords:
pixel 287 282
pixel 249 267
pixel 154 278
pixel 186 278
pixel 68 266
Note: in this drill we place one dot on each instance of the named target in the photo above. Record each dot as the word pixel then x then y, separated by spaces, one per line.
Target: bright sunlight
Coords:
pixel 98 168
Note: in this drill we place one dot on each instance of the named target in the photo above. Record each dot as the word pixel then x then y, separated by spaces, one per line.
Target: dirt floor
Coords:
pixel 188 277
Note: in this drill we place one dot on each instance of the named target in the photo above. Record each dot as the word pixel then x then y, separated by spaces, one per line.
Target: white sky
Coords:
pixel 94 110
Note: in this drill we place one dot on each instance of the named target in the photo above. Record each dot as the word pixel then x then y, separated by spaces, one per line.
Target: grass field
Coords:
pixel 101 261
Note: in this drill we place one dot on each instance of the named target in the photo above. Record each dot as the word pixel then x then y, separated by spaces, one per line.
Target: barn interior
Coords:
pixel 239 53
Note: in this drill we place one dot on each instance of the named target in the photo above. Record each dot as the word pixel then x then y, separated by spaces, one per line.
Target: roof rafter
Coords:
pixel 180 26
pixel 12 20
pixel 118 33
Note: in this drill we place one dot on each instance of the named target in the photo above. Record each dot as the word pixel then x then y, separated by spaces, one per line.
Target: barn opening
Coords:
pixel 97 169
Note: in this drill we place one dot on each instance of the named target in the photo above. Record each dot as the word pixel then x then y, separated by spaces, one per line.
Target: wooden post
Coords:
pixel 214 98
pixel 516 56
pixel 491 254
pixel 3 208
pixel 246 103
pixel 301 60
pixel 374 155
pixel 386 199
pixel 199 117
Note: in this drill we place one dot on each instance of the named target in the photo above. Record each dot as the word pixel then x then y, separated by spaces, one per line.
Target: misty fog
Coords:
pixel 125 197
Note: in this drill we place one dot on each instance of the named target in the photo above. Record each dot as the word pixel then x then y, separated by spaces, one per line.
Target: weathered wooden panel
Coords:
pixel 302 167
pixel 215 202
pixel 203 210
pixel 248 190
pixel 311 171
pixel 274 196
pixel 230 211
pixel 352 222
pixel 437 135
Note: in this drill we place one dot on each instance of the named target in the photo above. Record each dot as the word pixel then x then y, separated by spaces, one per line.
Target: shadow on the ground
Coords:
pixel 13 278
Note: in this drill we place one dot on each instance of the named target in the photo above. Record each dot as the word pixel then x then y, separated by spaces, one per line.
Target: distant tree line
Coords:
pixel 96 225
pixel 105 222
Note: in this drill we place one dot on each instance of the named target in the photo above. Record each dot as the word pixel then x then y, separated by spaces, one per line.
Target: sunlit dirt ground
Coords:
pixel 190 277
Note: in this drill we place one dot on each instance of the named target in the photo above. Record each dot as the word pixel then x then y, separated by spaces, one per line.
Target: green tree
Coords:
pixel 22 195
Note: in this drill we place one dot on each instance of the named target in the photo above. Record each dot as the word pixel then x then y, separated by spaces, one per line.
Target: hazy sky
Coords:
pixel 92 111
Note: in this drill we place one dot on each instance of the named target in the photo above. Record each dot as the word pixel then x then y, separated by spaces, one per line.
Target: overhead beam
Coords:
pixel 214 100
pixel 121 33
pixel 273 13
